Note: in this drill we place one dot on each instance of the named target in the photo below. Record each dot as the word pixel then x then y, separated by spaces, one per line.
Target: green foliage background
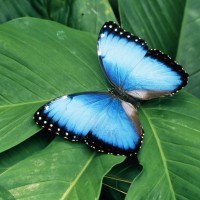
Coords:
pixel 48 49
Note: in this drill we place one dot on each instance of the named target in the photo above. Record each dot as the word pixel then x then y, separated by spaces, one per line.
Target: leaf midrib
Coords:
pixel 23 104
pixel 67 192
pixel 161 152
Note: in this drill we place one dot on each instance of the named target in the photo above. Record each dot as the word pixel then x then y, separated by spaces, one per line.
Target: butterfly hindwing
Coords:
pixel 129 65
pixel 105 123
pixel 116 128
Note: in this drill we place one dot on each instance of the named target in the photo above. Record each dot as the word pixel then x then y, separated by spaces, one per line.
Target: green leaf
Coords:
pixel 170 151
pixel 114 6
pixel 189 45
pixel 41 60
pixel 64 170
pixel 25 149
pixel 117 182
pixel 87 15
pixel 90 15
pixel 158 22
pixel 11 9
pixel 32 51
pixel 4 194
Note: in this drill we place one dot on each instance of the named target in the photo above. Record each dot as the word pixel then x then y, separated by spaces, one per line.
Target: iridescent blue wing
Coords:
pixel 129 65
pixel 105 123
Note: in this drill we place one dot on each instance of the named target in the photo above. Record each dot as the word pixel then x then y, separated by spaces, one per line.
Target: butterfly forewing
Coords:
pixel 118 51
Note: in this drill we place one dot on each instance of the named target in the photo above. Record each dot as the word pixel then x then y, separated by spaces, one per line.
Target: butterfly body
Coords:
pixel 108 121
pixel 119 93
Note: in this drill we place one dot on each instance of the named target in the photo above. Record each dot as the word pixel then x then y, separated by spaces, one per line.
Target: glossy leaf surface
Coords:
pixel 170 152
pixel 64 170
pixel 87 15
pixel 28 71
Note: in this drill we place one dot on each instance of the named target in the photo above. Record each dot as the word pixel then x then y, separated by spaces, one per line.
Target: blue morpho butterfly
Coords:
pixel 108 122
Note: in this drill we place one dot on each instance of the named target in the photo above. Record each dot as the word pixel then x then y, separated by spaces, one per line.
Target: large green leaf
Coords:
pixel 87 15
pixel 31 52
pixel 41 60
pixel 189 45
pixel 64 170
pixel 171 150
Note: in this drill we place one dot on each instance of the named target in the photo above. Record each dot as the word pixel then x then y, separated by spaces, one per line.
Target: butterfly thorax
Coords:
pixel 119 93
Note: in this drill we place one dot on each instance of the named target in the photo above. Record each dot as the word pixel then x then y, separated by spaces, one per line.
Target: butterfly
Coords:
pixel 108 121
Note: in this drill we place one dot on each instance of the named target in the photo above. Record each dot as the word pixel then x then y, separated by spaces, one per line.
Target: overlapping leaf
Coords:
pixel 158 22
pixel 87 15
pixel 62 171
pixel 117 182
pixel 90 15
pixel 40 60
pixel 25 149
pixel 189 45
pixel 171 149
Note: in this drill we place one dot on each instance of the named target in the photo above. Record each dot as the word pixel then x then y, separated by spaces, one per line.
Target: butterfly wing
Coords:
pixel 105 123
pixel 129 65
